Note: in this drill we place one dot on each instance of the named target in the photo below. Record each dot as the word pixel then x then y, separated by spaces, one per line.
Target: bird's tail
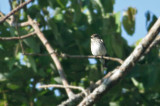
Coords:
pixel 103 65
pixel 104 62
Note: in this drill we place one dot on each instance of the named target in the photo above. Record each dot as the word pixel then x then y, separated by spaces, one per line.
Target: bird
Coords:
pixel 98 47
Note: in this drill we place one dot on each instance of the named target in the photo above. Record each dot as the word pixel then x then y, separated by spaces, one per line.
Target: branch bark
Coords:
pixel 14 10
pixel 117 74
pixel 53 55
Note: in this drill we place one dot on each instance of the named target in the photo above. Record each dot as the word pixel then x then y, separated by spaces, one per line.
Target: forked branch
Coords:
pixel 53 55
pixel 14 10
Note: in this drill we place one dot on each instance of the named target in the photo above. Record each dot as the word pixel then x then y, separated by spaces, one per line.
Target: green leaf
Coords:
pixel 118 22
pixel 33 10
pixel 138 85
pixel 11 63
pixel 1 47
pixel 117 46
pixel 13 86
pixel 43 3
pixel 3 77
pixel 138 41
pixel 33 63
pixel 107 5
pixel 32 43
pixel 58 80
pixel 55 31
pixel 128 20
pixel 68 17
pixel 150 20
pixel 62 3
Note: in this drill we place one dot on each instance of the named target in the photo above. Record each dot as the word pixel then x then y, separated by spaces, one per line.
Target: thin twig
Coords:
pixel 96 57
pixel 18 38
pixel 15 10
pixel 62 86
pixel 10 21
pixel 77 56
pixel 23 24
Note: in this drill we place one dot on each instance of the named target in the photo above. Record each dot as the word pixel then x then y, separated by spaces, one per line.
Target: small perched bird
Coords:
pixel 98 47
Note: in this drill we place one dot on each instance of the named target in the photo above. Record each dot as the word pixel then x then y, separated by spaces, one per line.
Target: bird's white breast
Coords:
pixel 97 48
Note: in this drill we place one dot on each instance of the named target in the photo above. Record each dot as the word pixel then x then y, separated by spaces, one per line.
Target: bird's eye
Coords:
pixel 94 35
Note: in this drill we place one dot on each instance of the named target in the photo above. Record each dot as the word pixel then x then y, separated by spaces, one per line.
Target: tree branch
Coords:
pixel 119 73
pixel 18 38
pixel 78 97
pixel 61 86
pixel 114 76
pixel 96 57
pixel 63 55
pixel 53 55
pixel 14 10
pixel 23 24
pixel 153 44
pixel 10 21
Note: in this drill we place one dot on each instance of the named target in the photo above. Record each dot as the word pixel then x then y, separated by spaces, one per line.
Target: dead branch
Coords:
pixel 14 10
pixel 61 86
pixel 10 21
pixel 53 55
pixel 23 24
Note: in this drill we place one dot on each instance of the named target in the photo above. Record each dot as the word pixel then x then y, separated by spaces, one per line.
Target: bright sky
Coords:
pixel 120 5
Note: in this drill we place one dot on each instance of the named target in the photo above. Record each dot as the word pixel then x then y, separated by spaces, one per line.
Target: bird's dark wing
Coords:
pixel 103 43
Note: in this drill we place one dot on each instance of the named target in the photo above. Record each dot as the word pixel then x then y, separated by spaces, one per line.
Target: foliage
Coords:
pixel 68 24
pixel 129 20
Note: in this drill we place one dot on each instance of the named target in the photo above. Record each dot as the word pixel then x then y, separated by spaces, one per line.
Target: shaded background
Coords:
pixel 68 24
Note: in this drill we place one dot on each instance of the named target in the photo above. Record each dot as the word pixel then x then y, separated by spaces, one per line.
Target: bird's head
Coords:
pixel 95 36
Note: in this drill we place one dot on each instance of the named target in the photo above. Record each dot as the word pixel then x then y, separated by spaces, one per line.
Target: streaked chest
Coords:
pixel 97 48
